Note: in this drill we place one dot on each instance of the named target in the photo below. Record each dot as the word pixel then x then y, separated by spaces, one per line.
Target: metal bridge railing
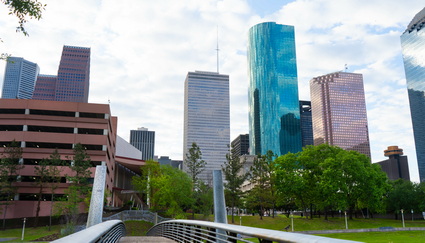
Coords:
pixel 203 231
pixel 109 231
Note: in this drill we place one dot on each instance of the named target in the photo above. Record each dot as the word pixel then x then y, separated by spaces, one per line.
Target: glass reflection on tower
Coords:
pixel 274 116
pixel 413 47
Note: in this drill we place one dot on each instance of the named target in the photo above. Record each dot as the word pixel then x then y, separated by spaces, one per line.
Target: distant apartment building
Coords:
pixel 40 127
pixel 143 140
pixel 165 160
pixel 72 81
pixel 240 145
pixel 207 118
pixel 396 166
pixel 339 111
pixel 19 78
pixel 306 123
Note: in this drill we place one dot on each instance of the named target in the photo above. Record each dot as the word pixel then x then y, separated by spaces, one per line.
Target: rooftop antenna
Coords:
pixel 218 50
pixel 345 68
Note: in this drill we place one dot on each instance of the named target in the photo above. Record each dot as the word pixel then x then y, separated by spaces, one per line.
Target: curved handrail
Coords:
pixel 108 231
pixel 204 231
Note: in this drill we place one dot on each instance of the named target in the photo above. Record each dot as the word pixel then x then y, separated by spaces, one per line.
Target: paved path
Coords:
pixel 381 229
pixel 145 239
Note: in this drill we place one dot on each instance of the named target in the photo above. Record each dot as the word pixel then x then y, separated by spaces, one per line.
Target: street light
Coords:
pixel 402 217
pixel 292 221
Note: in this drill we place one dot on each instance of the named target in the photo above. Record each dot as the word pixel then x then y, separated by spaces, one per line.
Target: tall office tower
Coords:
pixel 73 75
pixel 306 123
pixel 413 47
pixel 207 118
pixel 339 111
pixel 274 114
pixel 144 141
pixel 19 78
pixel 73 79
pixel 240 145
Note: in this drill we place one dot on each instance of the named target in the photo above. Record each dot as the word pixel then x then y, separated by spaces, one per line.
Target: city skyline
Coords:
pixel 140 56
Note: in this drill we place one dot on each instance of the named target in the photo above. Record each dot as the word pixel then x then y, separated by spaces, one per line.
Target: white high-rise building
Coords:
pixel 19 78
pixel 207 118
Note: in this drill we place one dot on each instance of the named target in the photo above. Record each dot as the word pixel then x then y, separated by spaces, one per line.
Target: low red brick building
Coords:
pixel 40 127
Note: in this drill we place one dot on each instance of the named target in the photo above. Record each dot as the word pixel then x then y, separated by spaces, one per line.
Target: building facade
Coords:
pixel 339 111
pixel 240 145
pixel 72 81
pixel 19 78
pixel 396 166
pixel 306 123
pixel 413 46
pixel 207 118
pixel 274 115
pixel 41 127
pixel 143 140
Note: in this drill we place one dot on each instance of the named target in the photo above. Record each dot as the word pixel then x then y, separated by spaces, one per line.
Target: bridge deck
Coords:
pixel 145 239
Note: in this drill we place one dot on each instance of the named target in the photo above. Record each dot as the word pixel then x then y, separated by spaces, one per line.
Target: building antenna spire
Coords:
pixel 218 50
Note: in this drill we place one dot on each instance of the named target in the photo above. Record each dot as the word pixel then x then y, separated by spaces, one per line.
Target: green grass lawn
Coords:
pixel 139 228
pixel 381 237
pixel 303 224
pixel 30 233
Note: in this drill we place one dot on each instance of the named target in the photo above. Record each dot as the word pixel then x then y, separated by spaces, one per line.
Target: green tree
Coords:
pixel 330 177
pixel 79 187
pixel 262 176
pixel 9 168
pixel 47 176
pixel 194 162
pixel 403 194
pixel 23 9
pixel 195 165
pixel 169 189
pixel 234 179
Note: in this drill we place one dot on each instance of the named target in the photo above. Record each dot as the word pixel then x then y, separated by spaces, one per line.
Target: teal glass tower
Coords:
pixel 413 47
pixel 274 115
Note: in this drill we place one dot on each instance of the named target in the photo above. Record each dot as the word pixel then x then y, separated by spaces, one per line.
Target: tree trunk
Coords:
pixel 311 211
pixel 37 212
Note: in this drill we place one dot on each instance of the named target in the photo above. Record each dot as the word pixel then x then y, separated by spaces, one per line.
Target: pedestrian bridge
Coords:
pixel 191 231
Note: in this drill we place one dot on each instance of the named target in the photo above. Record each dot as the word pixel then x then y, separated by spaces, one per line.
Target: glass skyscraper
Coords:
pixel 207 118
pixel 73 79
pixel 19 78
pixel 339 111
pixel 413 47
pixel 274 113
pixel 143 140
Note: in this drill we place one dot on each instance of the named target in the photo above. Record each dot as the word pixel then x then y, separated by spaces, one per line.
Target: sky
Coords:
pixel 141 52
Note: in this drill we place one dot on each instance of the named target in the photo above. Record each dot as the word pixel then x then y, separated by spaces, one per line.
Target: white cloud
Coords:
pixel 142 51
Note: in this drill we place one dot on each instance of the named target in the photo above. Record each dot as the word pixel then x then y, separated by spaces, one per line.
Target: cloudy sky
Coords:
pixel 141 52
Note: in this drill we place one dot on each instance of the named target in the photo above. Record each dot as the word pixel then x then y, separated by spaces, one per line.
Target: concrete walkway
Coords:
pixel 145 239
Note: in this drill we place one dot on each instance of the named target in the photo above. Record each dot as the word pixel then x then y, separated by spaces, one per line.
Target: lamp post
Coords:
pixel 402 217
pixel 23 229
pixel 292 221
pixel 346 222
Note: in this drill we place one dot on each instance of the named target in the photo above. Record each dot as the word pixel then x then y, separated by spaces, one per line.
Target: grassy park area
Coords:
pixel 136 228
